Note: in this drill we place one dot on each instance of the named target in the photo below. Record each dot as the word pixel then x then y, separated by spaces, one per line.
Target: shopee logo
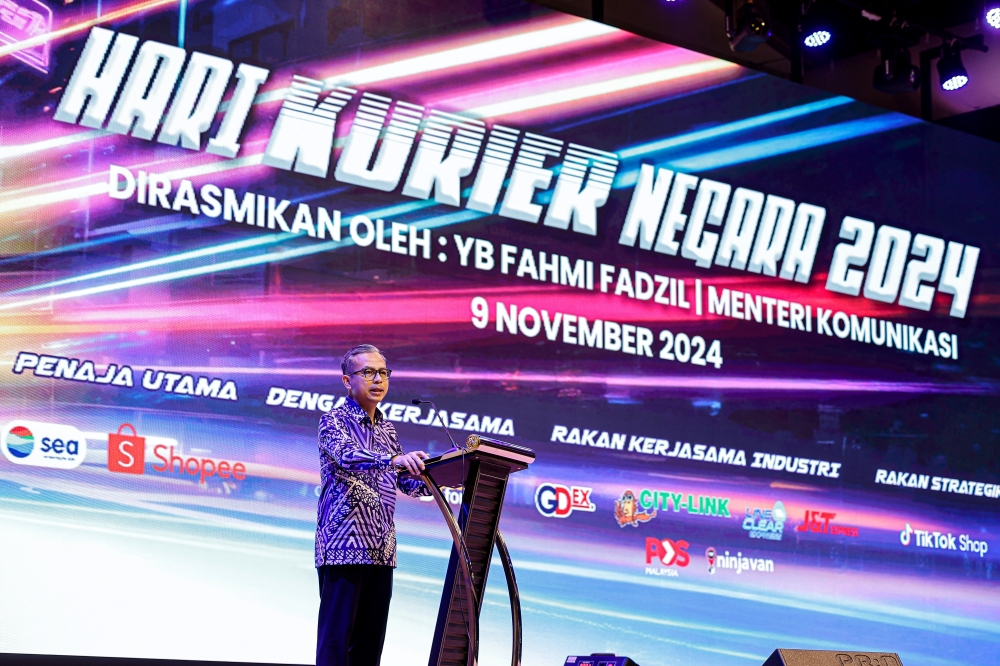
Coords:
pixel 127 455
pixel 200 467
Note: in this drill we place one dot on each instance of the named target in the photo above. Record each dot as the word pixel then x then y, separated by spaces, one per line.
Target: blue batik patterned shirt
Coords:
pixel 358 494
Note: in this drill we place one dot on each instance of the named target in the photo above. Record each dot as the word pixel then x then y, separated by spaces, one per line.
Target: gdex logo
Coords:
pixel 43 444
pixel 556 501
pixel 668 552
pixel 126 454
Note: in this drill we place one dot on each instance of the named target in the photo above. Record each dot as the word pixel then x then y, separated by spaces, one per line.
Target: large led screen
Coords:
pixel 747 327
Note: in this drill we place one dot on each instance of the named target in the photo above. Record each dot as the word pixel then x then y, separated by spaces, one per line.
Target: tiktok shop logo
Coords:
pixel 942 541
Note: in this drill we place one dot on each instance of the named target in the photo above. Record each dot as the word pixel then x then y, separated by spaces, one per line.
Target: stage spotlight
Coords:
pixel 896 73
pixel 950 69
pixel 993 17
pixel 817 38
pixel 748 24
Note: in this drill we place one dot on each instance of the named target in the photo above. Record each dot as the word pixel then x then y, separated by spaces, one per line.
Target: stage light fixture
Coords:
pixel 748 24
pixel 817 38
pixel 950 69
pixel 896 73
pixel 993 17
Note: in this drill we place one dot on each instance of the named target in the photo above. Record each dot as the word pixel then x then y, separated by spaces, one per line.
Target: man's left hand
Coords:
pixel 413 461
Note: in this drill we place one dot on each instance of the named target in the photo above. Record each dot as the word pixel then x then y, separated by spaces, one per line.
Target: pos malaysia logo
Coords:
pixel 671 553
pixel 43 444
pixel 556 501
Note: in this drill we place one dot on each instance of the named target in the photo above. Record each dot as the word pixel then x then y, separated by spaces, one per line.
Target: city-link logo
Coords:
pixel 43 444
pixel 766 523
pixel 819 522
pixel 942 541
pixel 670 553
pixel 556 501
pixel 696 505
pixel 627 511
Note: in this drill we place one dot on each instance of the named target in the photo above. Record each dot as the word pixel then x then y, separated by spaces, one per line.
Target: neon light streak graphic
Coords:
pixel 475 53
pixel 729 383
pixel 455 218
pixel 599 89
pixel 442 60
pixel 790 143
pixel 97 189
pixel 125 12
pixel 269 239
pixel 734 127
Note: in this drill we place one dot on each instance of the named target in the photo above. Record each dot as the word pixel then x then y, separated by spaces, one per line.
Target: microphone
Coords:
pixel 437 417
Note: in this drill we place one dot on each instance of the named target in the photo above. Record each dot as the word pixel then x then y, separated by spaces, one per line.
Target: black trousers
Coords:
pixel 353 611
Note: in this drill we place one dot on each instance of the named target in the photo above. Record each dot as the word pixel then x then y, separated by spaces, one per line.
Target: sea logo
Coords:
pixel 20 442
pixel 557 501
pixel 670 553
pixel 628 512
pixel 766 523
pixel 43 444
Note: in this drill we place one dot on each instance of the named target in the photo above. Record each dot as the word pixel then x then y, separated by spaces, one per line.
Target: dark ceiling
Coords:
pixel 860 29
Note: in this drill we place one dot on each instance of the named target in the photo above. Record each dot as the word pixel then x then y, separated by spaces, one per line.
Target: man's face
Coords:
pixel 364 390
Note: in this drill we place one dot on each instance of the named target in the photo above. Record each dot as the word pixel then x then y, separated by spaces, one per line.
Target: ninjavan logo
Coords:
pixel 556 501
pixel 43 444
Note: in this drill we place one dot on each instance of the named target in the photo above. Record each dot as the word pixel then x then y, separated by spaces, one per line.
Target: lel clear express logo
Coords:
pixel 127 455
pixel 43 444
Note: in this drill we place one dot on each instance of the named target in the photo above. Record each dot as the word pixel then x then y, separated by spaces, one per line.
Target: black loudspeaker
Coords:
pixel 784 657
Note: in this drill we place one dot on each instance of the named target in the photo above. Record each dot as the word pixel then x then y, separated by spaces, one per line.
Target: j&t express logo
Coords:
pixel 127 455
pixel 766 523
pixel 43 444
pixel 555 501
pixel 819 522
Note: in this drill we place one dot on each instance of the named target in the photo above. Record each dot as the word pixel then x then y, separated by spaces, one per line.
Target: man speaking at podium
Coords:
pixel 355 535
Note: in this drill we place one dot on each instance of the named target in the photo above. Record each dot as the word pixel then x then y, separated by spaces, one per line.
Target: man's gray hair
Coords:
pixel 345 363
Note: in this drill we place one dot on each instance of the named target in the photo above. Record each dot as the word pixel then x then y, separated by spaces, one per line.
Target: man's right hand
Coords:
pixel 413 462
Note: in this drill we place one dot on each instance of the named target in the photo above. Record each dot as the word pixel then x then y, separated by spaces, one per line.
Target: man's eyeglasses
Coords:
pixel 369 373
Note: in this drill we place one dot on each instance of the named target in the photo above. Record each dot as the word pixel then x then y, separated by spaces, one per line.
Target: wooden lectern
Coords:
pixel 482 469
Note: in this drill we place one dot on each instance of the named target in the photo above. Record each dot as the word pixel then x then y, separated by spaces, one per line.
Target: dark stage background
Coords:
pixel 811 489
